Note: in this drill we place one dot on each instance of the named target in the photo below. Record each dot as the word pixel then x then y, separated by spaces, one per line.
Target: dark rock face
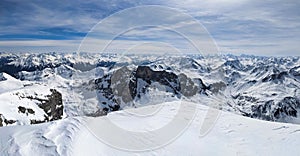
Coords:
pixel 6 67
pixel 84 66
pixel 217 87
pixel 105 91
pixel 165 78
pixel 52 106
pixel 201 86
pixel 2 78
pixel 7 122
pixel 248 98
pixel 121 81
pixel 236 64
pixel 263 111
pixel 22 109
pixel 276 77
pixel 123 86
pixel 106 64
pixel 272 111
pixel 287 107
pixel 294 72
pixel 116 89
pixel 187 86
pixel 3 121
pixel 33 121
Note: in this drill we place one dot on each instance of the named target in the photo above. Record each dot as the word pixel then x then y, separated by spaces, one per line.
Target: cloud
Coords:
pixel 271 27
pixel 253 27
pixel 39 45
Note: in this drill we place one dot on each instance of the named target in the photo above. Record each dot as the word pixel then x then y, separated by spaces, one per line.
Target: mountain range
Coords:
pixel 42 88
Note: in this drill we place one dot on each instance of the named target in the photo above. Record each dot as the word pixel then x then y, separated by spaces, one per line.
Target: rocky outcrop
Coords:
pixel 25 110
pixel 2 78
pixel 273 111
pixel 124 86
pixel 5 121
pixel 276 78
pixel 52 105
pixel 187 86
pixel 217 87
pixel 1 120
pixel 295 72
pixel 167 79
pixel 235 64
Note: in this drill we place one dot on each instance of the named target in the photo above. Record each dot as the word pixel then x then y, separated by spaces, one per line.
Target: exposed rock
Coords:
pixel 7 122
pixel 33 121
pixel 165 78
pixel 106 64
pixel 295 72
pixel 217 87
pixel 275 77
pixel 104 91
pixel 124 86
pixel 52 106
pixel 187 86
pixel 247 98
pixel 30 111
pixel 201 86
pixel 83 66
pixel 2 78
pixel 270 110
pixel 25 110
pixel 1 120
pixel 236 64
pixel 4 120
pixel 121 85
pixel 22 109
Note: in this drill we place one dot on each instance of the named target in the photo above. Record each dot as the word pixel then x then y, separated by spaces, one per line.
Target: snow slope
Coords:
pixel 230 135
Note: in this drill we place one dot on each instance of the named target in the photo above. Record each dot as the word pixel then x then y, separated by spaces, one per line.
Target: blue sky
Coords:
pixel 270 27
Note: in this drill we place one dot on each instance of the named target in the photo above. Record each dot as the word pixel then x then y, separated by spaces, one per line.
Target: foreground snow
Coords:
pixel 230 134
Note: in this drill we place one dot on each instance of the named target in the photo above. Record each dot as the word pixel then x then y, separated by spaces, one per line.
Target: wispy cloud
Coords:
pixel 251 26
pixel 270 27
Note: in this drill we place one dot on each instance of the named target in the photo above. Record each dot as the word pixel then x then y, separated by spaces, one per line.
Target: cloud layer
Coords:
pixel 238 26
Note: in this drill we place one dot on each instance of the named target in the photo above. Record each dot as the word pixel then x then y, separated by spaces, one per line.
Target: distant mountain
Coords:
pixel 265 88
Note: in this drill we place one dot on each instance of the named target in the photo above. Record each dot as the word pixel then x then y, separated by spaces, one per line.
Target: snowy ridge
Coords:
pixel 232 134
pixel 52 138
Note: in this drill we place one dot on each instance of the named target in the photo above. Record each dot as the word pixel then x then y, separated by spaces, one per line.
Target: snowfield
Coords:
pixel 230 135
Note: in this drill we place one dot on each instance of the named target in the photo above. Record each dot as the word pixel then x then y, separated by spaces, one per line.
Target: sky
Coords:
pixel 256 27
